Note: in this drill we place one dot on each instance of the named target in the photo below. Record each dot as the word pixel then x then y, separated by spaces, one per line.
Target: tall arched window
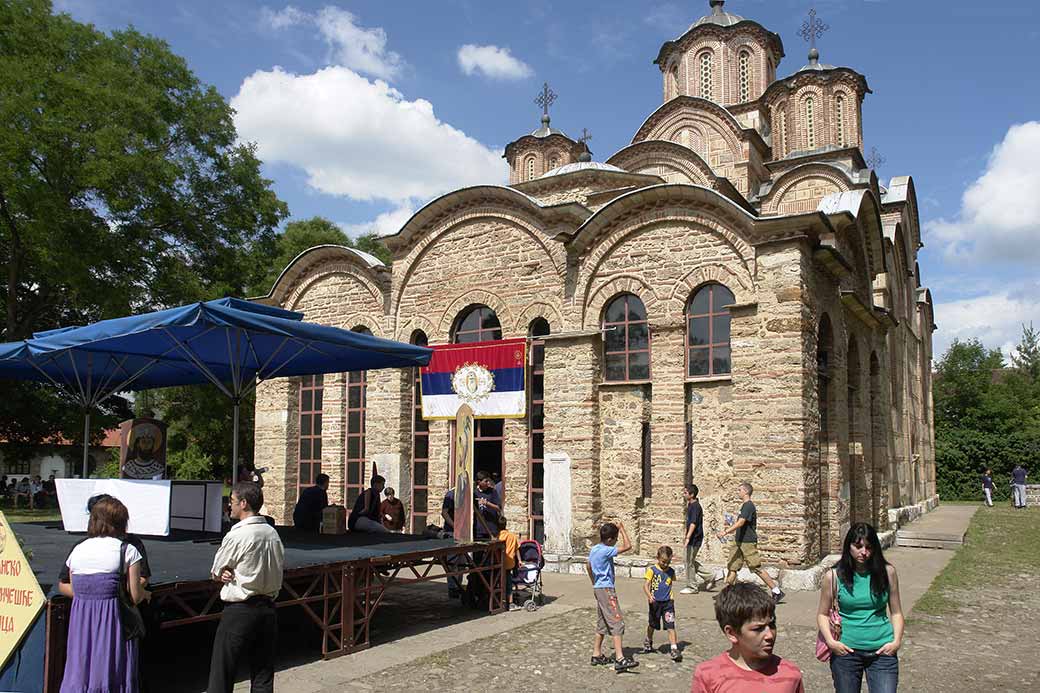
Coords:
pixel 311 390
pixel 781 144
pixel 357 397
pixel 476 324
pixel 839 118
pixel 673 84
pixel 530 168
pixel 536 431
pixel 626 340
pixel 707 333
pixel 810 123
pixel 420 501
pixel 745 76
pixel 553 162
pixel 707 83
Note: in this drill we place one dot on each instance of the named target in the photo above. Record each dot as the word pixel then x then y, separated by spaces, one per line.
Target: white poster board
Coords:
pixel 147 501
pixel 196 505
pixel 556 502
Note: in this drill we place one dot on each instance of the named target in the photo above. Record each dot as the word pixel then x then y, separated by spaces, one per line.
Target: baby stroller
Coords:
pixel 527 579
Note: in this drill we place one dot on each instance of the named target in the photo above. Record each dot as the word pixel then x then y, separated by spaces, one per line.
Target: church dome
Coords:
pixel 582 166
pixel 815 64
pixel 718 16
pixel 545 130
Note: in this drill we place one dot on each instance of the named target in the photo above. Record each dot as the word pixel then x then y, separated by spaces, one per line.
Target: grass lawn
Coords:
pixel 23 514
pixel 1001 540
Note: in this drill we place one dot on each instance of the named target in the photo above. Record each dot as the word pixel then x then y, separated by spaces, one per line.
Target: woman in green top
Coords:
pixel 871 615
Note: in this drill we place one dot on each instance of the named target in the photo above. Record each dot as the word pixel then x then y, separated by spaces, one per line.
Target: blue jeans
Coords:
pixel 882 672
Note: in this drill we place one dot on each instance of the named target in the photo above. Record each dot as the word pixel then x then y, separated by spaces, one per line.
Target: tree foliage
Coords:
pixel 123 189
pixel 298 236
pixel 986 415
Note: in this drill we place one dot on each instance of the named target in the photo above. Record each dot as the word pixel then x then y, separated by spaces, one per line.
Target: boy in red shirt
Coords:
pixel 747 615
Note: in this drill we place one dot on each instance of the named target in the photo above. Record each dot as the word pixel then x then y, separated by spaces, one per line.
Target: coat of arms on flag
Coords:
pixel 488 376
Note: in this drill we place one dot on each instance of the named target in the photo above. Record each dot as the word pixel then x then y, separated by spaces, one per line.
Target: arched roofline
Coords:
pixel 412 228
pixel 901 190
pixel 676 104
pixel 827 167
pixel 826 75
pixel 680 192
pixel 924 297
pixel 682 153
pixel 854 203
pixel 300 264
pixel 667 47
pixel 897 236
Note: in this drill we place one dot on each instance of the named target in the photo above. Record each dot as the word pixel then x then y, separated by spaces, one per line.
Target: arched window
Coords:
pixel 311 391
pixel 536 431
pixel 476 324
pixel 420 501
pixel 357 397
pixel 781 129
pixel 810 123
pixel 839 118
pixel 673 85
pixel 707 83
pixel 745 76
pixel 530 168
pixel 553 162
pixel 626 340
pixel 707 333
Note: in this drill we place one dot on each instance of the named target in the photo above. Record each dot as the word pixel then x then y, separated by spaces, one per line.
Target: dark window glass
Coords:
pixel 477 324
pixel 306 400
pixel 305 448
pixel 708 326
pixel 615 367
pixel 698 362
pixel 422 447
pixel 639 365
pixel 422 471
pixel 538 476
pixel 626 339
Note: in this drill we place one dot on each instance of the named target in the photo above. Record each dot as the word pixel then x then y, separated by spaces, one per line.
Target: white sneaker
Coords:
pixel 687 590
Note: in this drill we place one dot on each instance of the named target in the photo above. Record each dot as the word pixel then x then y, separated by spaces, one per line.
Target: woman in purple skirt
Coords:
pixel 99 659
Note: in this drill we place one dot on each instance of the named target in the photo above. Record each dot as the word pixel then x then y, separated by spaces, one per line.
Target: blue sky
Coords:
pixel 364 110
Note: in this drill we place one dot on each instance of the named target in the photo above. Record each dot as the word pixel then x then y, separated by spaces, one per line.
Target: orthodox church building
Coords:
pixel 732 296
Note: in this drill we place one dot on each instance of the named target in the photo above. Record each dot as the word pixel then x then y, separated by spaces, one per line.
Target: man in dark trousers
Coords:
pixel 307 513
pixel 249 563
pixel 694 539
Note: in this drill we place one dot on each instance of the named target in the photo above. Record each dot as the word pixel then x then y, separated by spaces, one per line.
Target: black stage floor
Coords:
pixel 187 556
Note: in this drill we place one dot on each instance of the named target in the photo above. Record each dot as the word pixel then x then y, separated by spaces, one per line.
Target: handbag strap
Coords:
pixel 834 593
pixel 122 559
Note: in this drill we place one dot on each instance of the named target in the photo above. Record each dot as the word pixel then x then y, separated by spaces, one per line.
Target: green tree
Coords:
pixel 1026 357
pixel 299 236
pixel 122 186
pixel 963 380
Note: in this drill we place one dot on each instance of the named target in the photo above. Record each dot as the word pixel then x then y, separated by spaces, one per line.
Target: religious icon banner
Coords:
pixel 142 448
pixel 488 376
pixel 463 517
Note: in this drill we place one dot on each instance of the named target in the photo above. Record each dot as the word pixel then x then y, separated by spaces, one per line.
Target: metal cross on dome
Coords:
pixel 585 136
pixel 813 28
pixel 546 98
pixel 875 159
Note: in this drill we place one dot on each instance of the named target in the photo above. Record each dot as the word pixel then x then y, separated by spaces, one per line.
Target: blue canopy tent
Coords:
pixel 231 343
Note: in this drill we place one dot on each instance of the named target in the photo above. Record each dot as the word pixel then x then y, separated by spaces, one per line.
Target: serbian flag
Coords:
pixel 488 376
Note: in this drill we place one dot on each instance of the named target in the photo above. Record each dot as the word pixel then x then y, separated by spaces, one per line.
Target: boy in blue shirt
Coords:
pixel 608 613
pixel 657 586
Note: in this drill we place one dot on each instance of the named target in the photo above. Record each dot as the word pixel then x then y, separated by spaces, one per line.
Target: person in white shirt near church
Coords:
pixel 249 563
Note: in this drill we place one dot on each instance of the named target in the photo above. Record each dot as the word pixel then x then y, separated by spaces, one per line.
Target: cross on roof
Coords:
pixel 585 136
pixel 546 98
pixel 875 159
pixel 813 28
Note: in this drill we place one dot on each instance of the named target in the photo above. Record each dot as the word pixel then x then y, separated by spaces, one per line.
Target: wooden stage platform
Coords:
pixel 338 581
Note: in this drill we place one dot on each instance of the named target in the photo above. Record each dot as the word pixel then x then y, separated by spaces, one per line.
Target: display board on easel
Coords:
pixel 20 595
pixel 464 431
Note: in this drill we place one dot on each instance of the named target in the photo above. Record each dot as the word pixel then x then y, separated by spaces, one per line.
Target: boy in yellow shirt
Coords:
pixel 512 549
pixel 658 590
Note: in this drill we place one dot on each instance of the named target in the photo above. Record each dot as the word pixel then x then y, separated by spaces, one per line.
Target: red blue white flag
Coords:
pixel 488 376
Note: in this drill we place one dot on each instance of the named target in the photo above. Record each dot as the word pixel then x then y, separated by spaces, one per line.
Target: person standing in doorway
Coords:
pixel 745 544
pixel 693 542
pixel 987 486
pixel 250 564
pixel 1018 486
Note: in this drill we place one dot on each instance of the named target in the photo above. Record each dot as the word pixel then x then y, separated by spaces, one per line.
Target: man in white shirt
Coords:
pixel 249 563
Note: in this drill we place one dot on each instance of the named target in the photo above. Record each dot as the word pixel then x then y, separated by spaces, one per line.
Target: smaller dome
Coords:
pixel 545 130
pixel 718 16
pixel 582 166
pixel 815 64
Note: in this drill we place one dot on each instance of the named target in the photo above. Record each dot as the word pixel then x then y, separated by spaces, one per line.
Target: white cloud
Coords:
pixel 284 18
pixel 995 319
pixel 349 45
pixel 494 62
pixel 386 224
pixel 359 138
pixel 999 217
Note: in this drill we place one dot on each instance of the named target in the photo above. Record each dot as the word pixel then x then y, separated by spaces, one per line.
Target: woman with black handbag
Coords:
pixel 105 624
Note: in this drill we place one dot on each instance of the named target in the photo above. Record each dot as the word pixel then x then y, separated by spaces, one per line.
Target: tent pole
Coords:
pixel 234 446
pixel 86 439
